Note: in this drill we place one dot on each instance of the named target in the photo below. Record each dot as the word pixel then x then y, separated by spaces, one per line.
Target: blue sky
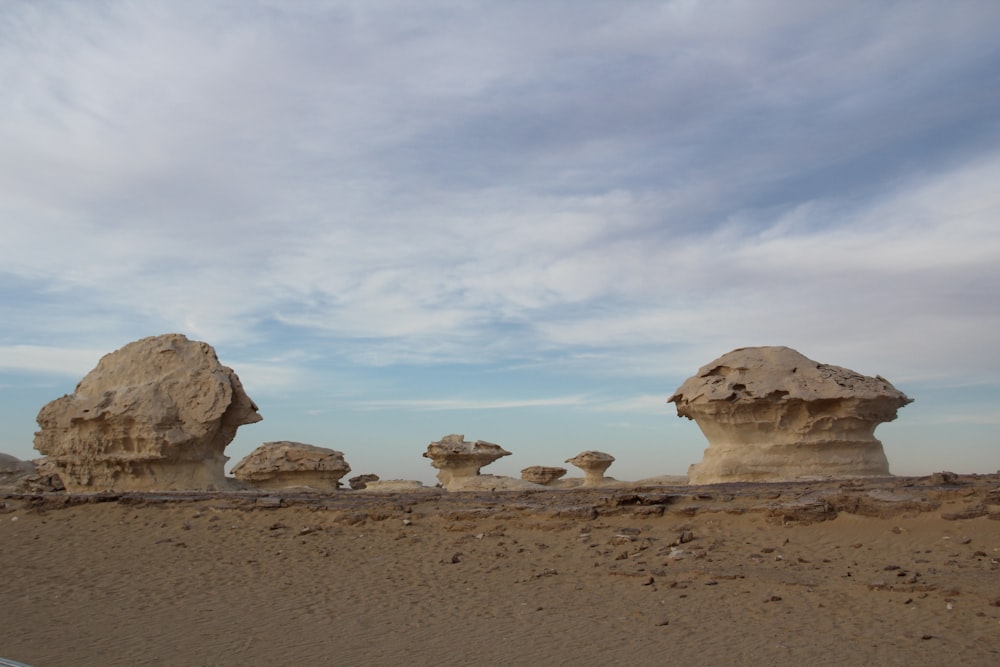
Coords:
pixel 527 222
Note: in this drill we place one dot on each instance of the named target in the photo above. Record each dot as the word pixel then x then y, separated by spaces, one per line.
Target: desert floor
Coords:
pixel 878 572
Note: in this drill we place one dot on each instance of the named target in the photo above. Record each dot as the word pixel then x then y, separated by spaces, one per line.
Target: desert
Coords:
pixel 789 544
pixel 893 571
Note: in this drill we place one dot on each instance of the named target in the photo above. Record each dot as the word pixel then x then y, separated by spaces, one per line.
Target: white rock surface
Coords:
pixel 772 414
pixel 155 415
pixel 456 459
pixel 594 464
pixel 285 464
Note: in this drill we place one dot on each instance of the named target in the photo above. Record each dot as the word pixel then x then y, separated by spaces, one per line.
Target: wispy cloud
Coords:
pixel 472 404
pixel 49 360
pixel 625 190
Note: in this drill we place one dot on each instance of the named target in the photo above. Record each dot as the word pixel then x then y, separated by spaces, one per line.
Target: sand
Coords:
pixel 887 572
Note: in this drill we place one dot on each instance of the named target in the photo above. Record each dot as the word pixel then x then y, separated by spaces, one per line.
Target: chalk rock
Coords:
pixel 593 464
pixel 284 464
pixel 542 474
pixel 155 415
pixel 359 482
pixel 456 459
pixel 772 414
pixel 399 486
pixel 492 483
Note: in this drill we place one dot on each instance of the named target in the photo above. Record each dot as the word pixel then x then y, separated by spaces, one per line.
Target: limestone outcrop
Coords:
pixel 458 460
pixel 593 464
pixel 399 486
pixel 155 415
pixel 772 414
pixel 543 475
pixel 360 482
pixel 285 464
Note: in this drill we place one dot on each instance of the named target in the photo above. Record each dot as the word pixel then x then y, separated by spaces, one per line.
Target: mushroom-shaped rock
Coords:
pixel 456 459
pixel 284 464
pixel 542 474
pixel 359 482
pixel 772 414
pixel 593 464
pixel 155 415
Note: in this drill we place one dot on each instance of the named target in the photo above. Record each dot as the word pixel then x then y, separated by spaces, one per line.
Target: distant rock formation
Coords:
pixel 285 464
pixel 359 482
pixel 772 414
pixel 399 486
pixel 155 415
pixel 593 464
pixel 14 472
pixel 543 475
pixel 458 463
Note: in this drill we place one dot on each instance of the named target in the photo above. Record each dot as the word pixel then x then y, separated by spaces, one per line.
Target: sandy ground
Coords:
pixel 881 572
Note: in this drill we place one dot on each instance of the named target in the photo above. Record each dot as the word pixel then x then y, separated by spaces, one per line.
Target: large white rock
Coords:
pixel 772 414
pixel 458 461
pixel 155 415
pixel 594 464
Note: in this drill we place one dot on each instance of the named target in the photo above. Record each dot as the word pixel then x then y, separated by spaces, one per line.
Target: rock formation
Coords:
pixel 399 486
pixel 458 460
pixel 359 482
pixel 593 464
pixel 14 472
pixel 771 414
pixel 155 415
pixel 543 475
pixel 284 464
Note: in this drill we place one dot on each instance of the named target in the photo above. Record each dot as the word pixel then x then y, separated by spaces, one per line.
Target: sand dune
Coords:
pixel 890 572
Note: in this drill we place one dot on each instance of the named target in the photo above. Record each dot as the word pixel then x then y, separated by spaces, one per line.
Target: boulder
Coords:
pixel 593 464
pixel 285 464
pixel 543 475
pixel 456 459
pixel 359 482
pixel 772 414
pixel 155 415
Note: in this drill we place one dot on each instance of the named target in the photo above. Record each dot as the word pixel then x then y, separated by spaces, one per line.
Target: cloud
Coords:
pixel 48 360
pixel 468 404
pixel 629 189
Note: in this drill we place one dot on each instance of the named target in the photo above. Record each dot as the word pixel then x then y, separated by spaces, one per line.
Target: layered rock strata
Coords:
pixel 155 415
pixel 285 464
pixel 772 414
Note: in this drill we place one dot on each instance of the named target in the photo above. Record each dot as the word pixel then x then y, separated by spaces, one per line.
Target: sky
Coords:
pixel 525 222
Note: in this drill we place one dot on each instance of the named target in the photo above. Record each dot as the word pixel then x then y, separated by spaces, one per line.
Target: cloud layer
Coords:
pixel 601 192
